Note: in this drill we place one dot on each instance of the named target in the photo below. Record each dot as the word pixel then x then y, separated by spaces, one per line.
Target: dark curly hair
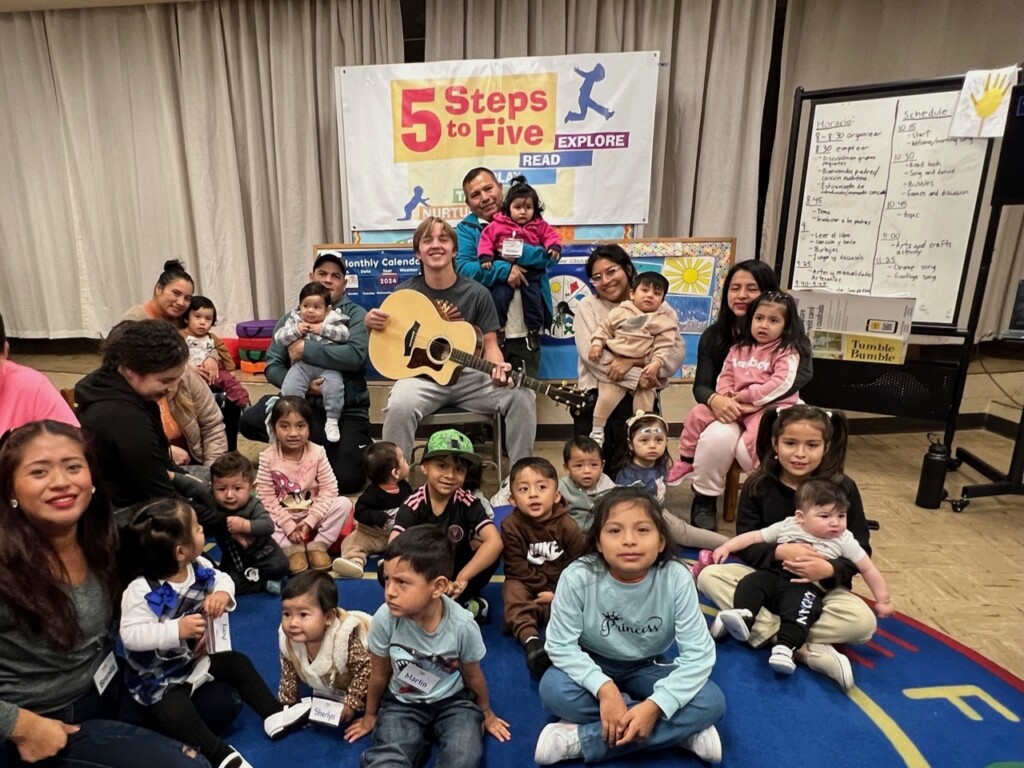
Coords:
pixel 145 346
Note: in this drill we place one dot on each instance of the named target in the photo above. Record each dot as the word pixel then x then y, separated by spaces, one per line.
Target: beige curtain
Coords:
pixel 201 131
pixel 710 93
pixel 835 43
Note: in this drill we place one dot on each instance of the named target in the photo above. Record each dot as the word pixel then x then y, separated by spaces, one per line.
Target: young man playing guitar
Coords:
pixel 456 298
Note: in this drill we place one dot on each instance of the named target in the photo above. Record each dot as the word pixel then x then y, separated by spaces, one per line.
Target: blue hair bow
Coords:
pixel 204 576
pixel 162 600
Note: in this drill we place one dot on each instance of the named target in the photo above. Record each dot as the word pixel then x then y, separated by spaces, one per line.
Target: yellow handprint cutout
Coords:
pixel 991 97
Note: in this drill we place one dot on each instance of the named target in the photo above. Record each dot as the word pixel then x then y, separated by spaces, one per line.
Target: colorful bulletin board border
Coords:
pixel 408 133
pixel 695 269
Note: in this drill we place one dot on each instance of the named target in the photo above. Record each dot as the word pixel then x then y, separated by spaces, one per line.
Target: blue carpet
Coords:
pixel 922 700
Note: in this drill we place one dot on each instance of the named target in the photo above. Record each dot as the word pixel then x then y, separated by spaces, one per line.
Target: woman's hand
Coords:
pixel 619 368
pixel 596 350
pixel 208 370
pixel 726 409
pixel 216 604
pixel 516 277
pixel 613 709
pixel 638 722
pixel 376 320
pixel 38 737
pixel 495 726
pixel 179 456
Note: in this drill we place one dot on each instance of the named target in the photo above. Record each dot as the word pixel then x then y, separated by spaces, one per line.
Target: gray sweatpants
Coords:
pixel 412 399
pixel 296 383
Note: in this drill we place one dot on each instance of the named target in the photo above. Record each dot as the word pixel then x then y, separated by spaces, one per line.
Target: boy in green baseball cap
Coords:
pixel 442 501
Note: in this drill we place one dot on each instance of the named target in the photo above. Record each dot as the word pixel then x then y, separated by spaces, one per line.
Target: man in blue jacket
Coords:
pixel 484 198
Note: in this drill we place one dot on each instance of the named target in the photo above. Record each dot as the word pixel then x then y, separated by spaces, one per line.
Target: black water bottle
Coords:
pixel 931 490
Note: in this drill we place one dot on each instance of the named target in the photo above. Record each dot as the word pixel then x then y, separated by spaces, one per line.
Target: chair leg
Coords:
pixel 498 441
pixel 732 493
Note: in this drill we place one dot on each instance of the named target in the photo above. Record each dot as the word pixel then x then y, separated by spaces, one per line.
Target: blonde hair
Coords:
pixel 427 225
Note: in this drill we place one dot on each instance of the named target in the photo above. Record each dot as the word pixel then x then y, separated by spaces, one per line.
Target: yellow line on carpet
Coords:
pixel 900 741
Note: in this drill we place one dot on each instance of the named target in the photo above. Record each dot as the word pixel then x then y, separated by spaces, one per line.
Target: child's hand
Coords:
pixel 720 555
pixel 215 605
pixel 305 328
pixel 638 722
pixel 596 350
pixel 545 597
pixel 884 608
pixel 316 328
pixel 191 627
pixel 456 586
pixel 613 709
pixel 238 524
pixel 554 255
pixel 360 728
pixel 302 534
pixel 495 726
pixel 649 375
pixel 486 265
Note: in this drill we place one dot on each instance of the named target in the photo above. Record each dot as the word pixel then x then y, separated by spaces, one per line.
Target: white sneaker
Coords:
pixel 826 660
pixel 706 744
pixel 503 496
pixel 734 621
pixel 279 722
pixel 557 742
pixel 347 569
pixel 234 760
pixel 331 431
pixel 597 436
pixel 781 660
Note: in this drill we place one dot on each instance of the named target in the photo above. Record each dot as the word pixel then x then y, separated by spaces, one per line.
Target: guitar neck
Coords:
pixel 480 364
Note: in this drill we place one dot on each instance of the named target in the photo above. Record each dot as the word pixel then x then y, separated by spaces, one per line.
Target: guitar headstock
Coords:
pixel 567 394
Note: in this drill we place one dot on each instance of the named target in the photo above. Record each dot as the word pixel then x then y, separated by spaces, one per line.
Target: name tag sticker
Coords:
pixel 105 673
pixel 326 711
pixel 512 248
pixel 218 634
pixel 418 678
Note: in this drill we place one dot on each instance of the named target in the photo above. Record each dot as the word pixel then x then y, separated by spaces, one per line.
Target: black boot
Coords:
pixel 704 512
pixel 537 660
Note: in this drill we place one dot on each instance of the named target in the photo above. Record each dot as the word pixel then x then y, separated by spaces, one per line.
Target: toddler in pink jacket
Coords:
pixel 758 370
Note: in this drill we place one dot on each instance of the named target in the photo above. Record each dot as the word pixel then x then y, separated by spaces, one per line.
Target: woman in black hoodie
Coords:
pixel 117 404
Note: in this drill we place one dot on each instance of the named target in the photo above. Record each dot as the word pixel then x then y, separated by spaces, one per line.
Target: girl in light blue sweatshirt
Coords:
pixel 616 613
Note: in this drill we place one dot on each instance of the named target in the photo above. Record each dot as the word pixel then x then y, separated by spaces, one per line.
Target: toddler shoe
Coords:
pixel 318 558
pixel 331 431
pixel 733 621
pixel 347 569
pixel 706 744
pixel 597 435
pixel 537 660
pixel 781 660
pixel 234 760
pixel 678 471
pixel 704 558
pixel 297 562
pixel 558 742
pixel 279 722
pixel 480 609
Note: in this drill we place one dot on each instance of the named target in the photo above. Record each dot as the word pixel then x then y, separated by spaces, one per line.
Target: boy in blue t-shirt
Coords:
pixel 425 653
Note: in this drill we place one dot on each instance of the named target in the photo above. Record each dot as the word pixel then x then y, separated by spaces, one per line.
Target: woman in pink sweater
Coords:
pixel 297 486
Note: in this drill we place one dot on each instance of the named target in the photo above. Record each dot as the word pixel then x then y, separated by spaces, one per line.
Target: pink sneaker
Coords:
pixel 705 557
pixel 678 471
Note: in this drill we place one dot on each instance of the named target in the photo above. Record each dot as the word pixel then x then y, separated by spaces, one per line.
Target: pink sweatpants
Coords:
pixel 328 530
pixel 701 417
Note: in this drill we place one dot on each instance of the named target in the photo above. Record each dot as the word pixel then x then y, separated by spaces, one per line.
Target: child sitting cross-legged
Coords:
pixel 376 509
pixel 820 521
pixel 442 501
pixel 586 479
pixel 425 681
pixel 539 540
pixel 322 645
pixel 164 615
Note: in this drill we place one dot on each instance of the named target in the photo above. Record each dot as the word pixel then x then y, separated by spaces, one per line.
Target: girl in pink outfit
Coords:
pixel 519 219
pixel 297 486
pixel 759 370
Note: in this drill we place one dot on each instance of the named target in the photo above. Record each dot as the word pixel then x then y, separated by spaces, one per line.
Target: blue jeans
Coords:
pixel 110 744
pixel 403 733
pixel 563 698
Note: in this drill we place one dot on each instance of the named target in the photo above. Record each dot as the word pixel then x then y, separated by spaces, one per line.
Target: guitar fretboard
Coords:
pixel 521 379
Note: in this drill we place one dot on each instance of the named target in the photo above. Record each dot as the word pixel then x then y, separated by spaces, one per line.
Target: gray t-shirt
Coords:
pixel 465 300
pixel 426 666
pixel 788 531
pixel 38 676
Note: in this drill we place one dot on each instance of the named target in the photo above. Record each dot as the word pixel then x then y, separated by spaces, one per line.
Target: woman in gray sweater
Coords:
pixel 60 686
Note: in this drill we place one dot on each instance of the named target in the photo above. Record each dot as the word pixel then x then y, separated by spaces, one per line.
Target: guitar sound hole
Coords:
pixel 440 350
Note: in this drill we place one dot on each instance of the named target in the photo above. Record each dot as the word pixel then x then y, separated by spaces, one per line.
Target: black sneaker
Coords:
pixel 537 660
pixel 704 512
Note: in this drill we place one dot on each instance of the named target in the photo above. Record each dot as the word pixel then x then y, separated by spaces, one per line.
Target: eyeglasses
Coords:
pixel 599 277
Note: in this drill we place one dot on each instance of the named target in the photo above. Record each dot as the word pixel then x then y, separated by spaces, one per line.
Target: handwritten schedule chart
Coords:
pixel 888 201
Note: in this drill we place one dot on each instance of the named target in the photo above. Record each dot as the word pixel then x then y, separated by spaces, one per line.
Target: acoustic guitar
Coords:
pixel 417 341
